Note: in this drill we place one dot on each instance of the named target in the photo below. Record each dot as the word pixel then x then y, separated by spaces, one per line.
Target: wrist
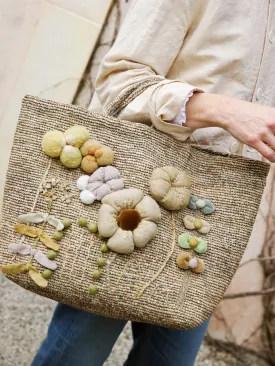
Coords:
pixel 207 110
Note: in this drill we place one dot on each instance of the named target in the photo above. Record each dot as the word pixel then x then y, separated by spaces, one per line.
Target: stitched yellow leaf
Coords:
pixel 49 242
pixel 37 277
pixel 16 268
pixel 31 231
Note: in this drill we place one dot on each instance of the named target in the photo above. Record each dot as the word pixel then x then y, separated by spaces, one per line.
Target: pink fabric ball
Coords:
pixel 193 263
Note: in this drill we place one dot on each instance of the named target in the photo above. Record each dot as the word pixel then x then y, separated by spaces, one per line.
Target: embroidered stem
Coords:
pixel 75 255
pixel 49 207
pixel 35 200
pixel 87 259
pixel 183 290
pixel 166 260
pixel 109 263
pixel 44 177
pixel 121 274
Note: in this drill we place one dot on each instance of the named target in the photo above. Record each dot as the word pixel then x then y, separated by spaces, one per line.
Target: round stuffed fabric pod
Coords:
pixel 170 187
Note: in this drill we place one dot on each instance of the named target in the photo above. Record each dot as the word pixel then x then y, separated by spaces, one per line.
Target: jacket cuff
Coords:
pixel 165 103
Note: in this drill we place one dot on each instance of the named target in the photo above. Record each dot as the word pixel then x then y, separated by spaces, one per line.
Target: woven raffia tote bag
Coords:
pixel 147 285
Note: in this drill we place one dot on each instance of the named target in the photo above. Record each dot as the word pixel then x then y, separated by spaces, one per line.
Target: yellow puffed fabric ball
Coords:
pixel 76 135
pixel 53 143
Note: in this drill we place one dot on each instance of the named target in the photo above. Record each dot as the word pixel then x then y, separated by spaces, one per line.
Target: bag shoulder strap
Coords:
pixel 128 95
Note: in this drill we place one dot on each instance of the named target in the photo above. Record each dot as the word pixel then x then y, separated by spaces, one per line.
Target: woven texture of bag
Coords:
pixel 175 298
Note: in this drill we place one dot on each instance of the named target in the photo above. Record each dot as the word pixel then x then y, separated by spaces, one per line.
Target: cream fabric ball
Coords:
pixel 82 182
pixel 87 197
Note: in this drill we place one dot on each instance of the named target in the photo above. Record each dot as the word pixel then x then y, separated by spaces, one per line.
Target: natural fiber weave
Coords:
pixel 177 299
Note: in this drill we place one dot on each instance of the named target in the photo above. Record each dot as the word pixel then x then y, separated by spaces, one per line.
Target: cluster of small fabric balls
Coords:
pixel 187 241
pixel 192 223
pixel 186 261
pixel 204 205
pixel 95 155
pixel 74 148
pixel 66 145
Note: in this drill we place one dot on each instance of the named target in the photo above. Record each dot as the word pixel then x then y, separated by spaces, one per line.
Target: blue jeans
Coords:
pixel 77 338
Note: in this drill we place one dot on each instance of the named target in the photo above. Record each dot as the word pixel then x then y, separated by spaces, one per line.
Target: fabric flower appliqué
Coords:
pixel 186 261
pixel 192 223
pixel 187 241
pixel 128 219
pixel 102 182
pixel 95 155
pixel 205 206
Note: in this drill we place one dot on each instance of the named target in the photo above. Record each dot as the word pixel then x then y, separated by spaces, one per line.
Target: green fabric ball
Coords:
pixel 58 235
pixel 201 248
pixel 82 221
pixel 104 248
pixel 101 262
pixel 92 227
pixel 96 274
pixel 47 274
pixel 92 289
pixel 183 240
pixel 51 254
pixel 67 223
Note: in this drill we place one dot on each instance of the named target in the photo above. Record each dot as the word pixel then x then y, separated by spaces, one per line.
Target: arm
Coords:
pixel 147 45
pixel 252 124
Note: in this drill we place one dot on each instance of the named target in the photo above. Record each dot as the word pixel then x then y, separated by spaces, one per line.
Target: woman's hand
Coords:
pixel 252 124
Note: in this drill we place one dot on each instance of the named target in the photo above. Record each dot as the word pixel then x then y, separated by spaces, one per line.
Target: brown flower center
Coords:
pixel 128 219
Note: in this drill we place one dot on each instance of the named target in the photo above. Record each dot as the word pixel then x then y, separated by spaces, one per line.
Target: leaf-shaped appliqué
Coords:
pixel 37 277
pixel 49 242
pixel 32 218
pixel 30 231
pixel 15 268
pixel 42 259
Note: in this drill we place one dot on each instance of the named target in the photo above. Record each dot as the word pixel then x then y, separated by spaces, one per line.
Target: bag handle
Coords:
pixel 123 99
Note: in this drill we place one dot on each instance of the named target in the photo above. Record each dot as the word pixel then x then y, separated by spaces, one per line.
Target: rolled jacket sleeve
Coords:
pixel 147 45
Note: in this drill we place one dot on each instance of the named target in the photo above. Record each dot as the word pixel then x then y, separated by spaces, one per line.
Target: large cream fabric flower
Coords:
pixel 128 219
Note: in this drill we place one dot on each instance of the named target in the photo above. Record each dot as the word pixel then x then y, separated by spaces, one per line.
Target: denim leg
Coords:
pixel 159 346
pixel 77 338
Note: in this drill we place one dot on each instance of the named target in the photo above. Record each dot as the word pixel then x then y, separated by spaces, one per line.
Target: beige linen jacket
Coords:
pixel 217 46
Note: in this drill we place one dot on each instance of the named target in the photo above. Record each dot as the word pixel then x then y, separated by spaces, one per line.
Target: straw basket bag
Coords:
pixel 146 285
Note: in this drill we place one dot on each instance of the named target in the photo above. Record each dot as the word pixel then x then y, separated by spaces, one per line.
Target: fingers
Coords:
pixel 271 125
pixel 265 150
pixel 269 139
